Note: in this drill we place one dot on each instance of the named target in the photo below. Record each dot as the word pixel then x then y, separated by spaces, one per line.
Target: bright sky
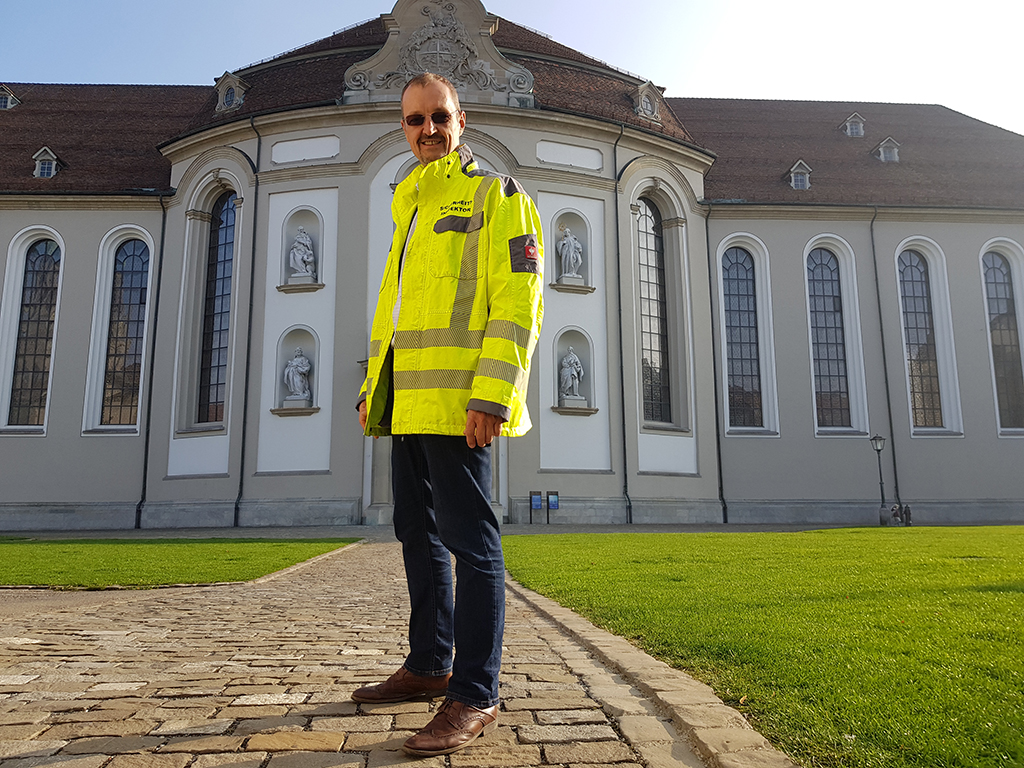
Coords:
pixel 965 56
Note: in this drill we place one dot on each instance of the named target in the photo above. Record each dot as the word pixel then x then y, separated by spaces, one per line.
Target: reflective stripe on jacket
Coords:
pixel 471 302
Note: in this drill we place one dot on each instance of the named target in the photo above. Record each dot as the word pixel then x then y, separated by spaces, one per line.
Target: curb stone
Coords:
pixel 719 733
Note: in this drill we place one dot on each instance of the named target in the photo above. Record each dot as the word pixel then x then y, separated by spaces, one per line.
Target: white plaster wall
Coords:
pixel 299 443
pixel 574 442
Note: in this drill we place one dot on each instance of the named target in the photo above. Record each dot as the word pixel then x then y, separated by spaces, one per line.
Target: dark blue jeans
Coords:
pixel 442 493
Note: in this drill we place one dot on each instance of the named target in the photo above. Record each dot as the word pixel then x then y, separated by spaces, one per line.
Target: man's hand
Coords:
pixel 481 428
pixel 362 415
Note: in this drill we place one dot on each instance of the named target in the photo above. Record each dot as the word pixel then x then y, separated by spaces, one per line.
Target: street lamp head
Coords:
pixel 877 442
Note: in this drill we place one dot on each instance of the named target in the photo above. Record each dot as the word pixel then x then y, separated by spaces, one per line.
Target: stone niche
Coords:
pixel 568 226
pixel 286 403
pixel 580 402
pixel 308 219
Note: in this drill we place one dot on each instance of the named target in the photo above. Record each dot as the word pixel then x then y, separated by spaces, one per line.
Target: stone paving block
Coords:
pixel 86 761
pixel 205 744
pixel 311 760
pixel 16 680
pixel 675 755
pixel 22 717
pixel 564 700
pixel 395 709
pixel 354 724
pixel 380 758
pixel 592 752
pixel 150 761
pixel 542 734
pixel 414 720
pixel 642 728
pixel 258 699
pixel 366 742
pixel 113 745
pixel 604 765
pixel 40 748
pixel 16 732
pixel 328 708
pixel 87 730
pixel 192 727
pixel 715 741
pixel 499 756
pixel 755 758
pixel 269 725
pixel 681 697
pixel 244 760
pixel 299 742
pixel 119 686
pixel 709 716
pixel 234 713
pixel 569 717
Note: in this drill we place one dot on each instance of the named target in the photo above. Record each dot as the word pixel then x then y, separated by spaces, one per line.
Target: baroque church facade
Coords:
pixel 739 293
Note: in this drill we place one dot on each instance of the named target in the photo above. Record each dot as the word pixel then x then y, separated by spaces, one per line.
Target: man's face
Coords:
pixel 431 141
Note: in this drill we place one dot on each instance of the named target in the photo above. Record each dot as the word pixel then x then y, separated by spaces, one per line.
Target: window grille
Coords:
pixel 741 339
pixel 828 340
pixel 126 334
pixel 1005 340
pixel 919 331
pixel 213 366
pixel 654 349
pixel 35 335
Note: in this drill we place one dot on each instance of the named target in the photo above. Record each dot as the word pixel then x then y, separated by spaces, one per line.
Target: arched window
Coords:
pixel 919 332
pixel 1005 340
pixel 741 342
pixel 125 334
pixel 35 334
pixel 828 340
pixel 654 344
pixel 213 365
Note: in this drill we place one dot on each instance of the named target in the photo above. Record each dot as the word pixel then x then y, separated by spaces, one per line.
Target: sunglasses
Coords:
pixel 437 118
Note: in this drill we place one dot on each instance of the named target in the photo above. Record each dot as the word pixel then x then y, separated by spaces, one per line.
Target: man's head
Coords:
pixel 431 101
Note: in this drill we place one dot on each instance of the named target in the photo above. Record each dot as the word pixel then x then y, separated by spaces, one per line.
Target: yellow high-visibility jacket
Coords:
pixel 471 302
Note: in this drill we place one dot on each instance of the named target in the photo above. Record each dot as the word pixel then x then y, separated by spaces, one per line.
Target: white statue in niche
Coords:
pixel 569 378
pixel 296 378
pixel 571 251
pixel 301 258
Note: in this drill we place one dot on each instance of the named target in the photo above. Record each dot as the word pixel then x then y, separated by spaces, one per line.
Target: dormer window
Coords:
pixel 230 92
pixel 7 99
pixel 854 126
pixel 800 176
pixel 47 164
pixel 645 101
pixel 888 151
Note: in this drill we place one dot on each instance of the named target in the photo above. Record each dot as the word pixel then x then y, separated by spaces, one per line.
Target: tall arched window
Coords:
pixel 1005 340
pixel 654 345
pixel 828 340
pixel 35 334
pixel 213 365
pixel 741 341
pixel 919 332
pixel 125 334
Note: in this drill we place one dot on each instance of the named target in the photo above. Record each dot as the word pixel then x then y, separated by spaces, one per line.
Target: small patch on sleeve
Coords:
pixel 524 251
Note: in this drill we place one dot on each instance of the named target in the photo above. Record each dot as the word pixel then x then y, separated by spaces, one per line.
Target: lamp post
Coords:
pixel 878 443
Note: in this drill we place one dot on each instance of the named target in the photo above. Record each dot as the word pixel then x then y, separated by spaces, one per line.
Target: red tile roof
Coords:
pixel 945 158
pixel 105 136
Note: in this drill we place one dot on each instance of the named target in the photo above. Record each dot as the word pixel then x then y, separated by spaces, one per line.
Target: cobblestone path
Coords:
pixel 259 674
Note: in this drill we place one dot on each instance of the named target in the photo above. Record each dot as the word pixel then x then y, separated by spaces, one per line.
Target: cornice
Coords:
pixel 735 211
pixel 80 203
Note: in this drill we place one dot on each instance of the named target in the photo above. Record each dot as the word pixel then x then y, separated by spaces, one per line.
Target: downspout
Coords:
pixel 152 365
pixel 885 363
pixel 712 271
pixel 248 335
pixel 622 353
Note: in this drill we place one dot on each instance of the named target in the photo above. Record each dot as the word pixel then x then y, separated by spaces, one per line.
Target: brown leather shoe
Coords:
pixel 402 686
pixel 455 726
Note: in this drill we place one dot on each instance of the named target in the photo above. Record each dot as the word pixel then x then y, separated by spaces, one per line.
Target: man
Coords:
pixel 457 319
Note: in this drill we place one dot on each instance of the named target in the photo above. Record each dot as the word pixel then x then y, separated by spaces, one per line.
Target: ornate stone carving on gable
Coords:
pixel 445 37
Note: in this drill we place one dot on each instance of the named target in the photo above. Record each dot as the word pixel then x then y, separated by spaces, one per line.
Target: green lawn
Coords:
pixel 866 647
pixel 98 563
